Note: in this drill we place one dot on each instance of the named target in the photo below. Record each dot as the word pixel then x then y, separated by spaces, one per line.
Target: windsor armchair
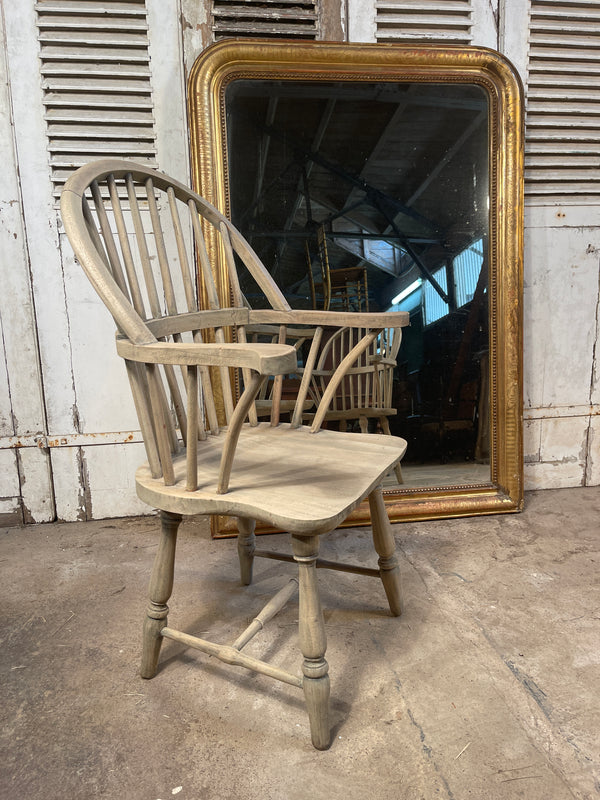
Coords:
pixel 365 391
pixel 142 259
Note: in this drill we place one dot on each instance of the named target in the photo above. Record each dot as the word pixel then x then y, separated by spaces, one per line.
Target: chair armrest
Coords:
pixel 382 360
pixel 335 319
pixel 266 359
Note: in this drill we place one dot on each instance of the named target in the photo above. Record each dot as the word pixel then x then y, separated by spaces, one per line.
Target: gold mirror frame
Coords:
pixel 231 60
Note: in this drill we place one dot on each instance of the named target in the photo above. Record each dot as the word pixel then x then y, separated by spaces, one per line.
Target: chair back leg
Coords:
pixel 383 540
pixel 385 427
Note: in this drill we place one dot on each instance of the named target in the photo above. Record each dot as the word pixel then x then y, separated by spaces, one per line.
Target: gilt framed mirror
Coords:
pixel 388 177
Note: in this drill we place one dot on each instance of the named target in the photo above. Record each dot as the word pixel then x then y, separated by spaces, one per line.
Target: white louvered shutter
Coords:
pixel 562 157
pixel 446 21
pixel 96 81
pixel 266 18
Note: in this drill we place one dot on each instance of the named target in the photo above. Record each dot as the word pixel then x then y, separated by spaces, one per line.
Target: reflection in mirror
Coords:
pixel 375 196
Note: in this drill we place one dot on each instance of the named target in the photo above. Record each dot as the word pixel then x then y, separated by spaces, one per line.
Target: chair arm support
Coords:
pixel 335 319
pixel 233 433
pixel 382 361
pixel 264 358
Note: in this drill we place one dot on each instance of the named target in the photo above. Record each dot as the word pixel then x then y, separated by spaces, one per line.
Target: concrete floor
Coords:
pixel 487 687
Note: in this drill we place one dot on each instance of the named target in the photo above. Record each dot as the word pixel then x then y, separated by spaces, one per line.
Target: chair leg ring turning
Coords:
pixel 161 586
pixel 313 641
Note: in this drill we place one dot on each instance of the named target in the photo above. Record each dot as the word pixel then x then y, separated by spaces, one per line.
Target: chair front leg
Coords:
pixel 383 539
pixel 246 548
pixel 161 586
pixel 313 641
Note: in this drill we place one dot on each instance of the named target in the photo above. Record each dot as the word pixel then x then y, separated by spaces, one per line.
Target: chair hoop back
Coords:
pixel 144 241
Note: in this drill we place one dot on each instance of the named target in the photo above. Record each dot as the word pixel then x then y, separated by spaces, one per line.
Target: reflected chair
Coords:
pixel 365 392
pixel 140 237
pixel 344 289
pixel 290 384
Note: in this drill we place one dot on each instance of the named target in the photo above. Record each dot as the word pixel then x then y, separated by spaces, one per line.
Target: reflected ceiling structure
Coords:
pixel 391 177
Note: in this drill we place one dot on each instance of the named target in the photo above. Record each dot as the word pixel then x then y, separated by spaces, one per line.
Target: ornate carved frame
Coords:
pixel 231 60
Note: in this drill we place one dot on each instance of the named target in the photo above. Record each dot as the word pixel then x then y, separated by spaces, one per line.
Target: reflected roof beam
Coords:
pixel 371 192
pixel 316 143
pixel 449 155
pixel 423 268
pixel 298 233
pixel 361 231
pixel 308 168
pixel 380 92
pixel 264 152
pixel 435 172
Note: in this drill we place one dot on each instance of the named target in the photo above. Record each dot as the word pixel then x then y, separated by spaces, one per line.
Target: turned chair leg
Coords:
pixel 385 427
pixel 383 539
pixel 398 472
pixel 246 548
pixel 161 586
pixel 313 641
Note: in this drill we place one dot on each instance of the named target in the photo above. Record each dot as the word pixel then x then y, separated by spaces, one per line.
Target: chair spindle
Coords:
pixel 161 426
pixel 192 431
pixel 142 245
pixel 307 377
pixel 134 286
pixel 109 241
pixel 141 399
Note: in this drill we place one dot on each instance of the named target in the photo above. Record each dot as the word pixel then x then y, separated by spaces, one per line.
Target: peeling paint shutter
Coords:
pixel 278 18
pixel 562 158
pixel 446 21
pixel 96 81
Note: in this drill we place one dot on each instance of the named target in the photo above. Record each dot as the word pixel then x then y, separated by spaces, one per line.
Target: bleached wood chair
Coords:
pixel 365 391
pixel 141 260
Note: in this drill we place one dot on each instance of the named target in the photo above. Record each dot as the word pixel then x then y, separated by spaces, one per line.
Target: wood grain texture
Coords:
pixel 270 466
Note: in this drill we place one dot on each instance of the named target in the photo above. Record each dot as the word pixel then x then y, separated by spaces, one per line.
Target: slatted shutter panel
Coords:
pixel 277 18
pixel 96 81
pixel 445 21
pixel 563 104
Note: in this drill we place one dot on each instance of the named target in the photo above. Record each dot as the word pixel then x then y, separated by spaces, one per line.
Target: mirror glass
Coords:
pixel 387 177
pixel 375 197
